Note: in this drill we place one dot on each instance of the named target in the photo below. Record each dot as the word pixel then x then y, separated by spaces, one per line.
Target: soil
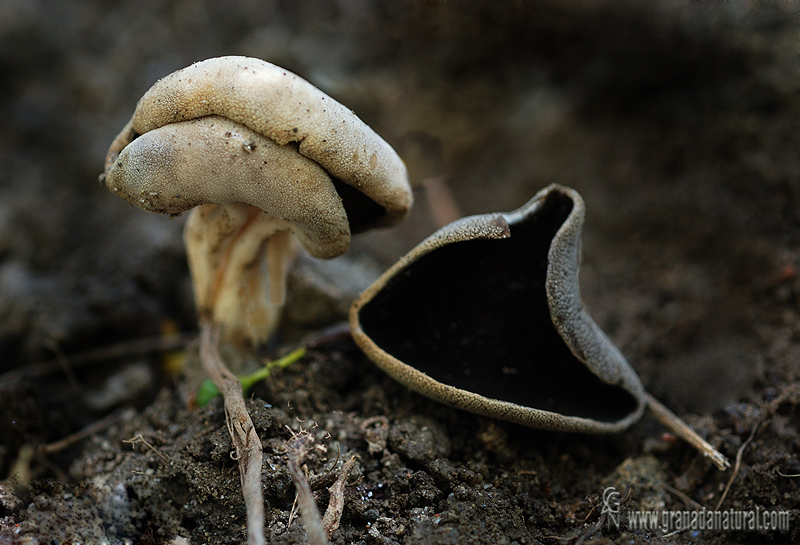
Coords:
pixel 676 122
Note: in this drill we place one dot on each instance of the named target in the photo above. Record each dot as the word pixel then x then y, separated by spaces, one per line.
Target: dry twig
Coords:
pixel 243 434
pixel 333 514
pixel 689 502
pixel 89 430
pixel 114 351
pixel 140 439
pixel 300 445
pixel 441 201
pixel 62 360
pixel 328 477
pixel 738 463
pixel 682 430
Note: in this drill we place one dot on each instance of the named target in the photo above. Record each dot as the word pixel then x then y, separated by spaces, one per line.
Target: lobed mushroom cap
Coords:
pixel 214 160
pixel 288 110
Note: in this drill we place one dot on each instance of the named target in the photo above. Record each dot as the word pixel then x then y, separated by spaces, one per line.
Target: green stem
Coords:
pixel 209 391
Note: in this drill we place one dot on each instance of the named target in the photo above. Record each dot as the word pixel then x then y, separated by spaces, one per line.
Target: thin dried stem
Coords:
pixel 300 444
pixel 333 514
pixel 88 431
pixel 64 363
pixel 140 439
pixel 682 430
pixel 243 434
pixel 120 350
pixel 738 464
pixel 441 201
pixel 689 502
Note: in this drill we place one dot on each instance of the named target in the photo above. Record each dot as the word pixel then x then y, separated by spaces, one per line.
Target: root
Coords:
pixel 248 449
pixel 738 463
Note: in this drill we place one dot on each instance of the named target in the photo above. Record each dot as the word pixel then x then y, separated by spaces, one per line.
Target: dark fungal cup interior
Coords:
pixel 474 315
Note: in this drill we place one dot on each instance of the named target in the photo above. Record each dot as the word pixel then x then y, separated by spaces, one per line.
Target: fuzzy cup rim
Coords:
pixel 588 344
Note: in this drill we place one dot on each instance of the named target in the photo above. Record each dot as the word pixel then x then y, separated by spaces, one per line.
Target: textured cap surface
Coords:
pixel 214 160
pixel 284 108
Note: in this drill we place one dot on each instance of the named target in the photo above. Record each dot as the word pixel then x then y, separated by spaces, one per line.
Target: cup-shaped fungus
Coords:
pixel 485 315
pixel 259 155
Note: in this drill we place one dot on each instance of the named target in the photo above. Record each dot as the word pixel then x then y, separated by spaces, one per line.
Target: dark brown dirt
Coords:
pixel 677 124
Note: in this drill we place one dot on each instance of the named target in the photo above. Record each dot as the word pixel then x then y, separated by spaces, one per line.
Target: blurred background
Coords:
pixel 676 121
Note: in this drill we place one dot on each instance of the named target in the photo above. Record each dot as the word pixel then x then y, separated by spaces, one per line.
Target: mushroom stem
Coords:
pixel 263 296
pixel 223 267
pixel 239 258
pixel 682 430
pixel 243 433
pixel 280 254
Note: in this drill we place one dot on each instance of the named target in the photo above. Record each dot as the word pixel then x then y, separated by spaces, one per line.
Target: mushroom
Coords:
pixel 485 315
pixel 258 154
pixel 262 158
pixel 492 322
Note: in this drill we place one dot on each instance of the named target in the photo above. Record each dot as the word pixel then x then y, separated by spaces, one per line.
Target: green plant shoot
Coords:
pixel 208 390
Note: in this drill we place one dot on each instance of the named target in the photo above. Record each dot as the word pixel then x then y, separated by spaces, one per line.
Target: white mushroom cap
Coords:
pixel 214 160
pixel 286 109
